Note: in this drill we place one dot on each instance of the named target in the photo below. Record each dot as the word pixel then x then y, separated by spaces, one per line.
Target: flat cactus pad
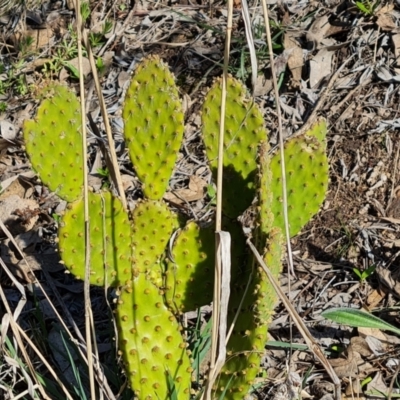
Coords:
pixel 151 343
pixel 307 178
pixel 153 224
pixel 53 143
pixel 244 129
pixel 154 126
pixel 110 240
pixel 190 276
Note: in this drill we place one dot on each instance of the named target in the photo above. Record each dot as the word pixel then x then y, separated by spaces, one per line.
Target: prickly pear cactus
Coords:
pixel 151 344
pixel 154 127
pixel 131 253
pixel 190 274
pixel 319 131
pixel 246 345
pixel 53 143
pixel 307 175
pixel 153 349
pixel 244 129
pixel 110 240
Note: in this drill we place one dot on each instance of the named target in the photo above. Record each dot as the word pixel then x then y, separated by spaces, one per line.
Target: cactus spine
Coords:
pixel 130 253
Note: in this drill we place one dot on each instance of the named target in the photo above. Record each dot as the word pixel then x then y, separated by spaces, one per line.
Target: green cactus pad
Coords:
pixel 190 276
pixel 151 343
pixel 153 224
pixel 53 142
pixel 110 240
pixel 154 126
pixel 246 345
pixel 319 131
pixel 265 215
pixel 307 177
pixel 272 257
pixel 244 129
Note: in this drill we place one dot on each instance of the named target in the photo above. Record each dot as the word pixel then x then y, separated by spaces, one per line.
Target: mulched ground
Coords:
pixel 339 58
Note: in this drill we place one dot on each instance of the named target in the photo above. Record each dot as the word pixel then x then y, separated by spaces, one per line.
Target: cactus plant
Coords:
pixel 307 167
pixel 110 238
pixel 151 343
pixel 190 273
pixel 244 129
pixel 131 252
pixel 154 127
pixel 153 224
pixel 153 348
pixel 246 345
pixel 54 145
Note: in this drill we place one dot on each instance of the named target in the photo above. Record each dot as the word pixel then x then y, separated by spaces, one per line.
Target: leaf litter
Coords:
pixel 358 226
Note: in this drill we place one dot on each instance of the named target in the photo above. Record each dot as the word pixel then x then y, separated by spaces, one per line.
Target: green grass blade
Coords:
pixel 285 345
pixel 358 319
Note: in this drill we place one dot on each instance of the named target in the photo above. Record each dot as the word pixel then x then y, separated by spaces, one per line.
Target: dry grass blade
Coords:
pixel 89 326
pixel 16 331
pixel 218 223
pixel 250 43
pixel 114 162
pixel 225 254
pixel 44 361
pixel 280 134
pixel 311 343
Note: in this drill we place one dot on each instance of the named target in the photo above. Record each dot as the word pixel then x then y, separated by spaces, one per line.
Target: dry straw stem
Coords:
pixel 311 343
pixel 16 330
pixel 250 44
pixel 89 326
pixel 280 130
pixel 114 161
pixel 99 374
pixel 215 366
pixel 14 326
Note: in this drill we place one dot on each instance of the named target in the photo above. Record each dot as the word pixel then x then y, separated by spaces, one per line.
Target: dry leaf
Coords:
pixel 193 193
pixel 321 66
pixel 295 60
pixel 377 384
pixel 388 279
pixel 353 365
pixel 318 30
pixel 376 333
pixel 386 23
pixel 374 298
pixel 396 45
pixel 263 86
pixel 386 19
pixel 19 215
pixel 8 130
pixel 86 69
pixel 17 185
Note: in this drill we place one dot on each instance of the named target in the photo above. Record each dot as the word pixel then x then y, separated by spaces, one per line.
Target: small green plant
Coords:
pixel 131 250
pixel 97 39
pixel 3 106
pixel 65 51
pixel 85 10
pixel 25 44
pixel 363 275
pixel 367 7
pixel 100 65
